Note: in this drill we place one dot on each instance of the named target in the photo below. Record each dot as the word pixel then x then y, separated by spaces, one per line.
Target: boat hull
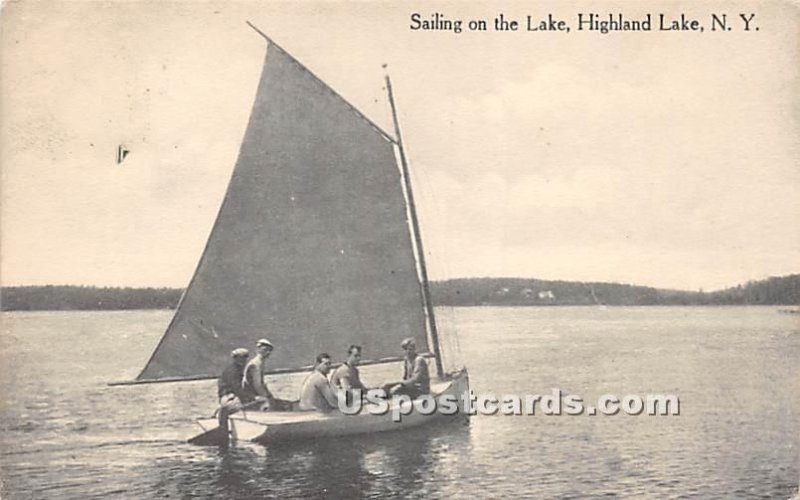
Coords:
pixel 267 427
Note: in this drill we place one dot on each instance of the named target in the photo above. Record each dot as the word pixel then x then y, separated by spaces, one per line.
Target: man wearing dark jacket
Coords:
pixel 232 394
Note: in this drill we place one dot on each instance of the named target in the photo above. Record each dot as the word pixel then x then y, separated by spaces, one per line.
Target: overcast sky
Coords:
pixel 665 159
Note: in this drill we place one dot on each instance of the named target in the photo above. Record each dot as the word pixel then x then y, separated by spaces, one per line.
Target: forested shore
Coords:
pixel 783 290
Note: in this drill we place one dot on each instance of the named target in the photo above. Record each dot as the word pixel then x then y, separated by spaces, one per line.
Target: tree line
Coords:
pixel 784 290
pixel 64 298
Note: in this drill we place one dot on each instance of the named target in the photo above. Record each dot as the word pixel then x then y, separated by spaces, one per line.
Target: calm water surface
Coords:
pixel 65 434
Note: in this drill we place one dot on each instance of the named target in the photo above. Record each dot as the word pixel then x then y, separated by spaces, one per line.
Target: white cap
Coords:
pixel 405 343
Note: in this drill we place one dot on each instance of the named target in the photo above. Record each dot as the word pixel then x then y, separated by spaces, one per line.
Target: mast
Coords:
pixel 426 293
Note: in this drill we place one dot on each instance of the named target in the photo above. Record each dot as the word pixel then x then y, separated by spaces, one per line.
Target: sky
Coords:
pixel 667 159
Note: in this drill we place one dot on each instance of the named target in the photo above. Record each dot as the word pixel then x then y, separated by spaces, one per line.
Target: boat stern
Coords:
pixel 240 428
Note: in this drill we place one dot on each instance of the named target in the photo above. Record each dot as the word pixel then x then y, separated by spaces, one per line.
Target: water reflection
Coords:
pixel 390 464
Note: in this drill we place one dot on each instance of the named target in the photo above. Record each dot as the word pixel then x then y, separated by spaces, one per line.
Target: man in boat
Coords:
pixel 232 395
pixel 416 378
pixel 347 377
pixel 317 392
pixel 253 379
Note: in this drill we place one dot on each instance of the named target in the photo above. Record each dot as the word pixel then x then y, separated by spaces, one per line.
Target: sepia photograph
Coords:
pixel 331 249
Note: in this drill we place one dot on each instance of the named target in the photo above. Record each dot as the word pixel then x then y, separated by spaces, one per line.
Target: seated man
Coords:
pixel 253 379
pixel 317 393
pixel 347 377
pixel 232 396
pixel 416 379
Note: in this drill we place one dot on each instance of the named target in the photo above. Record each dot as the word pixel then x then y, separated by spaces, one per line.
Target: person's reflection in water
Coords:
pixel 403 463
pixel 383 464
pixel 408 464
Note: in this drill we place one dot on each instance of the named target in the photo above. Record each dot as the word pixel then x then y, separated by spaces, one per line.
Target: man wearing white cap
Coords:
pixel 253 378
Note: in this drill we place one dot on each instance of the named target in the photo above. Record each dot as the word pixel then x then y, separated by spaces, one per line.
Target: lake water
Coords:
pixel 65 434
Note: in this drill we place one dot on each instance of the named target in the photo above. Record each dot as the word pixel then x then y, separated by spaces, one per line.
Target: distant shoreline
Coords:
pixel 462 292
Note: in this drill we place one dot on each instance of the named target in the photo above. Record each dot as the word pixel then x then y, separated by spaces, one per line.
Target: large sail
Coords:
pixel 311 247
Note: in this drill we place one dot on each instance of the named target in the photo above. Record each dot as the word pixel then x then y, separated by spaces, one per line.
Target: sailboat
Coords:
pixel 316 246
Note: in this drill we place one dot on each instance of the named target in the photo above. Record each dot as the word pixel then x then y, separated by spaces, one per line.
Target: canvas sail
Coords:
pixel 311 247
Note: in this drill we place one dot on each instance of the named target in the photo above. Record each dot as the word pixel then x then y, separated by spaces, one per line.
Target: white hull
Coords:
pixel 265 427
